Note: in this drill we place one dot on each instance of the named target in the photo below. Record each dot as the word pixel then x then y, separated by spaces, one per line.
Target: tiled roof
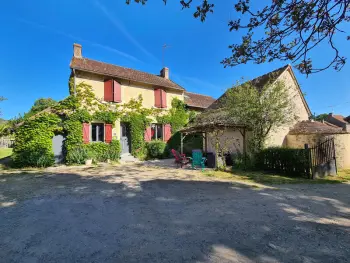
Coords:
pixel 314 127
pixel 198 100
pixel 340 118
pixel 93 66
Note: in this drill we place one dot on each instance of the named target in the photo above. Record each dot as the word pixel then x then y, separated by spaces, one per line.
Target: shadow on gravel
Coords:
pixel 72 218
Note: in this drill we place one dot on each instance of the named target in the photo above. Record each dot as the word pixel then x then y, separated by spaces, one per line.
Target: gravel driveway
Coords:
pixel 134 213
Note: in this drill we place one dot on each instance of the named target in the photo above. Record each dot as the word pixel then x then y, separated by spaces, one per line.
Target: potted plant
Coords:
pixel 90 157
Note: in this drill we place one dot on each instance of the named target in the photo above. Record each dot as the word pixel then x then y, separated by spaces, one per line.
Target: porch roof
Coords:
pixel 211 120
pixel 209 127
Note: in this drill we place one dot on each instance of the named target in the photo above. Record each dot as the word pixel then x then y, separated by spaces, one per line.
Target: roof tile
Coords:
pixel 198 100
pixel 106 69
pixel 314 127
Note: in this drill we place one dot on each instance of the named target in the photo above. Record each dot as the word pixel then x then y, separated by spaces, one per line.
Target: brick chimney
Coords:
pixel 77 50
pixel 164 73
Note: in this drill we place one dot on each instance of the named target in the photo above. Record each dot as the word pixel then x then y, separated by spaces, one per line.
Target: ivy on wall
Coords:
pixel 138 123
pixel 33 141
pixel 34 138
pixel 177 116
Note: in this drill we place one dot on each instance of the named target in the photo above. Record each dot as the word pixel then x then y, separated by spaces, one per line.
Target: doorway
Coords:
pixel 125 137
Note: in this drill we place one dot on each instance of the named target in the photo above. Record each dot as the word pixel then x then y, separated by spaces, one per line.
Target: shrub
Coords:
pixel 292 162
pixel 156 149
pixel 99 150
pixel 77 155
pixel 33 141
pixel 241 161
pixel 114 150
pixel 102 151
pixel 190 142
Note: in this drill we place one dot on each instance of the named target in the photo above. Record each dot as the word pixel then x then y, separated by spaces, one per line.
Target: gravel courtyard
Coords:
pixel 136 213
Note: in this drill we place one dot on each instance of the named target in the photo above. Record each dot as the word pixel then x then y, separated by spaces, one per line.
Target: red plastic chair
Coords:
pixel 180 159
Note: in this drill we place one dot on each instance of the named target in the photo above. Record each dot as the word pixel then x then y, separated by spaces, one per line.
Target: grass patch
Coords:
pixel 5 152
pixel 264 178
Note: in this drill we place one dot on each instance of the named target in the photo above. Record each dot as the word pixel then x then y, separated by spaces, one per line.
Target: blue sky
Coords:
pixel 37 39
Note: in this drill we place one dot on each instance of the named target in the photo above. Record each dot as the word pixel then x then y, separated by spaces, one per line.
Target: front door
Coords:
pixel 57 147
pixel 124 137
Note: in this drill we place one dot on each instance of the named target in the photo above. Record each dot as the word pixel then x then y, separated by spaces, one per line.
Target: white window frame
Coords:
pixel 156 131
pixel 97 127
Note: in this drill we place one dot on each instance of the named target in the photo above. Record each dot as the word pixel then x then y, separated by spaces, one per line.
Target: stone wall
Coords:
pixel 342 145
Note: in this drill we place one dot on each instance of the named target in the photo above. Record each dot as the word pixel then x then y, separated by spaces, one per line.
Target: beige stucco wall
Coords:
pixel 231 139
pixel 342 145
pixel 277 137
pixel 129 90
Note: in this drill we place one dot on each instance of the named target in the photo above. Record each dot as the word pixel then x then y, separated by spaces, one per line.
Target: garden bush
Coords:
pixel 292 162
pixel 33 141
pixel 191 142
pixel 77 155
pixel 98 151
pixel 156 149
pixel 114 150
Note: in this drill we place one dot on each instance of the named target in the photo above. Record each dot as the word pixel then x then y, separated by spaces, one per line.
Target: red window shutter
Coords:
pixel 117 92
pixel 163 97
pixel 167 132
pixel 86 132
pixel 108 92
pixel 157 98
pixel 108 133
pixel 148 136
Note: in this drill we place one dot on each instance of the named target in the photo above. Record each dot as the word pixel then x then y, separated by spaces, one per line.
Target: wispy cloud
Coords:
pixel 119 25
pixel 76 38
pixel 199 82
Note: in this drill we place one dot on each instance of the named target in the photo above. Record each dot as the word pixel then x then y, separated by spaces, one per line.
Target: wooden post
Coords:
pixel 309 167
pixel 335 157
pixel 216 150
pixel 205 143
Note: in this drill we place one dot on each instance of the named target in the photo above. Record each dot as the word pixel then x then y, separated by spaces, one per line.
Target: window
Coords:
pixel 156 131
pixel 97 132
pixel 160 98
pixel 112 91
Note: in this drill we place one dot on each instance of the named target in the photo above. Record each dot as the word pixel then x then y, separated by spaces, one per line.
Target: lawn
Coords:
pixel 5 152
pixel 264 178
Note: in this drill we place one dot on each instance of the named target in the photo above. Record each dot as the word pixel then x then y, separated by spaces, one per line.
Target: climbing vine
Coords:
pixel 33 139
pixel 177 116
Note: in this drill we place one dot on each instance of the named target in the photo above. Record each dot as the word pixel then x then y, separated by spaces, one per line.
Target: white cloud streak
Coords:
pixel 119 25
pixel 199 82
pixel 75 38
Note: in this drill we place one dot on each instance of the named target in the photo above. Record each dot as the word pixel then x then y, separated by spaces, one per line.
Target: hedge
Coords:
pixel 98 151
pixel 292 162
pixel 33 141
pixel 191 142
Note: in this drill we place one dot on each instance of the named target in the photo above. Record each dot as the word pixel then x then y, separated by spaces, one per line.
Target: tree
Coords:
pixel 320 117
pixel 40 105
pixel 261 110
pixel 291 30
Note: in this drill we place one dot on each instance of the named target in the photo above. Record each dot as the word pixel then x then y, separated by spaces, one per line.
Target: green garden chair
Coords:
pixel 198 159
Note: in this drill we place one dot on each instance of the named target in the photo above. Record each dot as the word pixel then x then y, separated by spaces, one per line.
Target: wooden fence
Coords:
pixel 322 157
pixel 318 161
